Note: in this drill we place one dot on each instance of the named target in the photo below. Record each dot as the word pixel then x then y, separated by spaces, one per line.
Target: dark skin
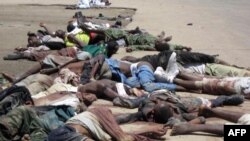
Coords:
pixel 102 88
pixel 191 80
pixel 217 60
pixel 214 129
pixel 152 114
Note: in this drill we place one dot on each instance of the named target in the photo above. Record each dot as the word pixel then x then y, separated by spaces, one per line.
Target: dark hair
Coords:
pixel 112 48
pixel 42 32
pixel 70 27
pixel 31 34
pixel 161 46
pixel 162 112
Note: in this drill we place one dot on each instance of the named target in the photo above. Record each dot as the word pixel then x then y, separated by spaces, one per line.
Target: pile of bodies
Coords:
pixel 50 100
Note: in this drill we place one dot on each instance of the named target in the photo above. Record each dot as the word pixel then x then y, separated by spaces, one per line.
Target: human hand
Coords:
pixel 42 24
pixel 26 137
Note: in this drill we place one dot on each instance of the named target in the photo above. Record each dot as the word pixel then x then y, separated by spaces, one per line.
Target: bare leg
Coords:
pixel 154 131
pixel 98 88
pixel 7 76
pixel 198 120
pixel 190 128
pixel 125 118
pixel 189 76
pixel 187 84
pixel 35 69
pixel 219 61
pixel 54 70
pixel 130 59
pixel 223 114
pixel 180 88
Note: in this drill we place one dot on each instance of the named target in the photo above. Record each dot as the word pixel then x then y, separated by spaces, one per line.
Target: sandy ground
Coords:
pixel 219 27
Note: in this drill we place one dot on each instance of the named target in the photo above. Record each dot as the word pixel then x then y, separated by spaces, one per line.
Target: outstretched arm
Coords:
pixel 87 30
pixel 98 62
pixel 125 118
pixel 50 32
pixel 131 59
pixel 78 42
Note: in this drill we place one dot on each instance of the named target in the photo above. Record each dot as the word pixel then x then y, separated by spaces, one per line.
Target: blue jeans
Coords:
pixel 145 76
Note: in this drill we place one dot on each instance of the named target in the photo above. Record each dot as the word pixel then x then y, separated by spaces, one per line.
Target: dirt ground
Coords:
pixel 218 27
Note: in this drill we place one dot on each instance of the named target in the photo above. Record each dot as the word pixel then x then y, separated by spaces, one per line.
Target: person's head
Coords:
pixel 112 48
pixel 70 27
pixel 162 112
pixel 60 33
pixel 161 45
pixel 33 40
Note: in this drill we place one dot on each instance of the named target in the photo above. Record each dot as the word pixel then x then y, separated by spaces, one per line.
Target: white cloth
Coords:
pixel 66 76
pixel 75 31
pixel 195 68
pixel 242 85
pixel 70 100
pixel 48 38
pixel 205 102
pixel 133 68
pixel 83 4
pixel 170 73
pixel 56 88
pixel 90 3
pixel 90 121
pixel 244 120
pixel 83 55
pixel 97 26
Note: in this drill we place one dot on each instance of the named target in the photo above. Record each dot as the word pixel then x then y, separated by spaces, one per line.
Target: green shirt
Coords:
pixel 141 41
pixel 95 50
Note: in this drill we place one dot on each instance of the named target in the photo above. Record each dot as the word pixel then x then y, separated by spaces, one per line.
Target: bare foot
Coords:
pixel 161 35
pixel 157 131
pixel 128 49
pixel 198 120
pixel 9 77
pixel 26 137
pixel 188 48
pixel 169 38
pixel 179 129
pixel 205 112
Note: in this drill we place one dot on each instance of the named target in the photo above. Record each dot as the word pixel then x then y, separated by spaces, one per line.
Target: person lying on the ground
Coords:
pixel 56 61
pixel 143 41
pixel 99 124
pixel 139 75
pixel 108 48
pixel 191 62
pixel 89 51
pixel 62 34
pixel 94 38
pixel 34 55
pixel 38 90
pixel 236 117
pixel 168 108
pixel 37 42
pixel 109 89
pixel 42 38
pixel 37 122
pixel 223 86
pixel 38 83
